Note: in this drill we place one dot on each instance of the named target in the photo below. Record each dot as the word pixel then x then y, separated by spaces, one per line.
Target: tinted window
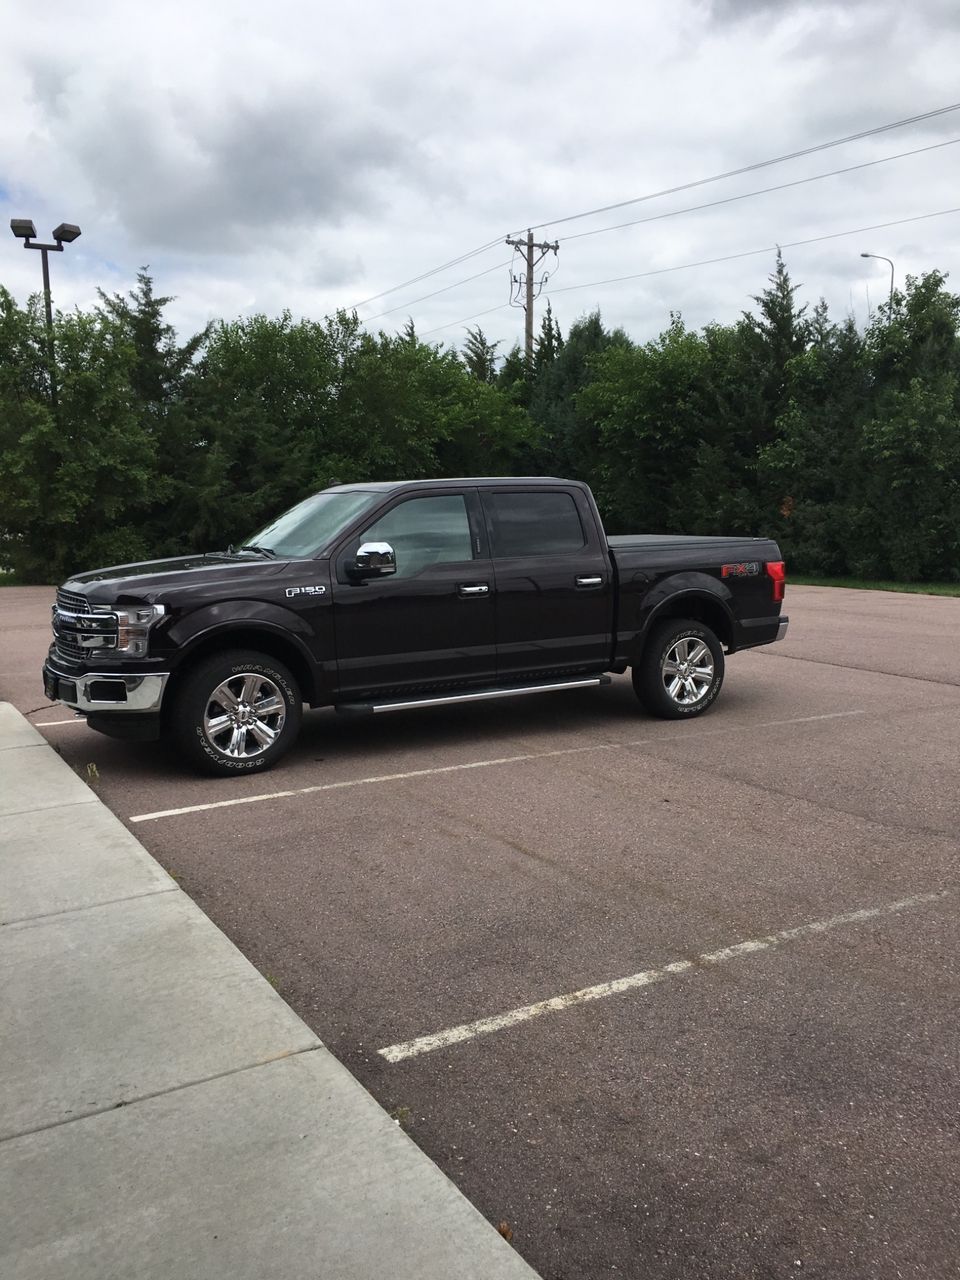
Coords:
pixel 424 531
pixel 309 526
pixel 534 524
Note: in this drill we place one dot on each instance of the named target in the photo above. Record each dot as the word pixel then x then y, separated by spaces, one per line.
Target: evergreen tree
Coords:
pixel 570 435
pixel 811 471
pixel 480 355
pixel 160 370
pixel 75 485
pixel 548 345
pixel 512 377
pixel 905 508
pixel 771 339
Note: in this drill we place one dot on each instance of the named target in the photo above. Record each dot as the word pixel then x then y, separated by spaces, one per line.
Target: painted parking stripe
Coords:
pixel 472 764
pixel 48 724
pixel 501 1021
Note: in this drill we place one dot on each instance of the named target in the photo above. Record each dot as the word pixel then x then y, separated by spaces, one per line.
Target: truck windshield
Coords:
pixel 309 526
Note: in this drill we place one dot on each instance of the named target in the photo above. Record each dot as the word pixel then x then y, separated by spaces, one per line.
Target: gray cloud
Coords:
pixel 313 156
pixel 186 174
pixel 739 10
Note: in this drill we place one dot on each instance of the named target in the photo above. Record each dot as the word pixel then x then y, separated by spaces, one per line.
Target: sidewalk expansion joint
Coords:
pixel 50 808
pixel 95 1112
pixel 91 906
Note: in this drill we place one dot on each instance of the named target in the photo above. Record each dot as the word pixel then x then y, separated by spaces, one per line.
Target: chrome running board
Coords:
pixel 475 695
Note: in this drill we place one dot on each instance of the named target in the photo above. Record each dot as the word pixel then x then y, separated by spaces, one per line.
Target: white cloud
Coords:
pixel 307 157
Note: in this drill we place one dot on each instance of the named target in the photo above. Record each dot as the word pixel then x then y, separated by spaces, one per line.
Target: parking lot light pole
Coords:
pixel 66 233
pixel 883 259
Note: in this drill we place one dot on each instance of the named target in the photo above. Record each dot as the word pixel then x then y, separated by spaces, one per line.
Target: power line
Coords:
pixel 446 289
pixel 762 164
pixel 762 191
pixel 705 262
pixel 452 324
pixel 750 253
pixel 656 217
pixel 752 168
pixel 454 262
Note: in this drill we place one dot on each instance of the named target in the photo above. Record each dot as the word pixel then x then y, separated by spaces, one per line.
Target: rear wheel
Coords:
pixel 680 671
pixel 236 713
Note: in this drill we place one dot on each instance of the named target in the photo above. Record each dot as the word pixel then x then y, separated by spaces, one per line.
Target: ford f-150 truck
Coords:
pixel 376 597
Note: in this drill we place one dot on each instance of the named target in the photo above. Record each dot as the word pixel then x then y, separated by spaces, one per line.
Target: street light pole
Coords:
pixel 883 259
pixel 66 233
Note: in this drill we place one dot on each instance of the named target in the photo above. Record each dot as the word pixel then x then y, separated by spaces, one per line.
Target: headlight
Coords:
pixel 133 627
pixel 104 626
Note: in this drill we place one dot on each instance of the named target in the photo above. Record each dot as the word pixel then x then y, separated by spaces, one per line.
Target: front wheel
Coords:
pixel 236 713
pixel 680 671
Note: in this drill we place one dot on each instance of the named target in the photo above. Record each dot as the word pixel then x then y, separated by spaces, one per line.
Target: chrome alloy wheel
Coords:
pixel 244 715
pixel 687 670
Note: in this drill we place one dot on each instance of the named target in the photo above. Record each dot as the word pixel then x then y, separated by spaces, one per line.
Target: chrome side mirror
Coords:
pixel 375 560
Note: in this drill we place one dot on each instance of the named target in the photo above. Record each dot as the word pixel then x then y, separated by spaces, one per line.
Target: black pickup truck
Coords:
pixel 377 597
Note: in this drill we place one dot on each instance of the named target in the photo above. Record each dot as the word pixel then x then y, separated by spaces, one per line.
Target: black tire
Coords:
pixel 665 685
pixel 228 708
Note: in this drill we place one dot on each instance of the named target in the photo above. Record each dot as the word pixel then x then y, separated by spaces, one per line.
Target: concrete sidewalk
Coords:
pixel 163 1113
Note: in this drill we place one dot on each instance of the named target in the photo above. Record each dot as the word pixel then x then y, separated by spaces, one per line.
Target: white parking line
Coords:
pixel 472 764
pixel 500 1021
pixel 48 724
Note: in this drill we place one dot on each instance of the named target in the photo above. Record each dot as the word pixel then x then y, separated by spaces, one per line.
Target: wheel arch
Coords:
pixel 699 606
pixel 265 639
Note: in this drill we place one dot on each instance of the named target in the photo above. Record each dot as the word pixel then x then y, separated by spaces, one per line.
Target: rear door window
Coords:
pixel 533 524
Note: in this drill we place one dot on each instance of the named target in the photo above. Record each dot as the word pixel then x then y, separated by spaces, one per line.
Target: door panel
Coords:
pixel 430 624
pixel 553 581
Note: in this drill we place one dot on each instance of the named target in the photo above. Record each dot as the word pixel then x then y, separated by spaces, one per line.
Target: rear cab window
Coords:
pixel 533 523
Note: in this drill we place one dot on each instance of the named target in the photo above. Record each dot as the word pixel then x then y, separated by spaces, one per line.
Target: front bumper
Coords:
pixel 105 692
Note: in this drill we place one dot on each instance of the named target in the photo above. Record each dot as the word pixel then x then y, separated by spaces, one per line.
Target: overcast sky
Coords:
pixel 261 157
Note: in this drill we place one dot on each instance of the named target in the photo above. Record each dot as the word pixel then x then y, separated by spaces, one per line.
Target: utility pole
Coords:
pixel 531 288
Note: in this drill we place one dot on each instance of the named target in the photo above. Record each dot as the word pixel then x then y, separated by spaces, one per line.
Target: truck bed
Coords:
pixel 677 551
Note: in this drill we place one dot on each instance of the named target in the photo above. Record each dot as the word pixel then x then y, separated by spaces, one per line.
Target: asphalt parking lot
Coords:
pixel 668 999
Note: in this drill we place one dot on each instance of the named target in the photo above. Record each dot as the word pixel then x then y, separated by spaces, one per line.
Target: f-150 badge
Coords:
pixel 306 591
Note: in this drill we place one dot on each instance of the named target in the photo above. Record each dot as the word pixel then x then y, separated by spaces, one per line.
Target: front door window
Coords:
pixel 424 532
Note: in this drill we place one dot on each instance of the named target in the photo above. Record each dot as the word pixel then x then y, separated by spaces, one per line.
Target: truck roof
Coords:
pixel 385 486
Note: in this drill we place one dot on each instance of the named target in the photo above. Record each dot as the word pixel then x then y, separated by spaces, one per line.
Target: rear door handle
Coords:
pixel 474 589
pixel 590 581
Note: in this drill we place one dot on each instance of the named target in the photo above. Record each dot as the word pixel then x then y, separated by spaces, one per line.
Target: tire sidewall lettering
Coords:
pixel 693 708
pixel 199 696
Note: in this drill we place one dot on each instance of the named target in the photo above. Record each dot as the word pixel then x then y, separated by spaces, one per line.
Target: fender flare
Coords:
pixel 197 628
pixel 671 591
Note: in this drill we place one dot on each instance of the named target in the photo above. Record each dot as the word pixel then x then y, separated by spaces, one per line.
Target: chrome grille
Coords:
pixel 72 603
pixel 67 646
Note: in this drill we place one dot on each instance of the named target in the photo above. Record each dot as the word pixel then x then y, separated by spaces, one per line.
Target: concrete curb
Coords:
pixel 163 1112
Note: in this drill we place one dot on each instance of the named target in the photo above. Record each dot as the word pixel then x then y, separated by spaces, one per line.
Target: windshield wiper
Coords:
pixel 258 550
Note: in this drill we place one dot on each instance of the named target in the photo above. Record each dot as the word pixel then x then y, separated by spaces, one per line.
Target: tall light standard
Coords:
pixel 883 259
pixel 66 233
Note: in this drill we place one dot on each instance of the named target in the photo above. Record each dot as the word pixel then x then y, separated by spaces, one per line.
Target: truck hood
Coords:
pixel 153 580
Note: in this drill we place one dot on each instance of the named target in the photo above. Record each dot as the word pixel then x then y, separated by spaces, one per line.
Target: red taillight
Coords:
pixel 777 570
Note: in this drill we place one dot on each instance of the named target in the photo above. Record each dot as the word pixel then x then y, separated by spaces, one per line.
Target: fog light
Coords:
pixel 107 691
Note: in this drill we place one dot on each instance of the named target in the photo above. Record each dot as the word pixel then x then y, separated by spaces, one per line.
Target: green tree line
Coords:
pixel 845 445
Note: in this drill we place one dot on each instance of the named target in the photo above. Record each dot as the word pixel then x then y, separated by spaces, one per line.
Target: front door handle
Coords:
pixel 590 581
pixel 474 589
